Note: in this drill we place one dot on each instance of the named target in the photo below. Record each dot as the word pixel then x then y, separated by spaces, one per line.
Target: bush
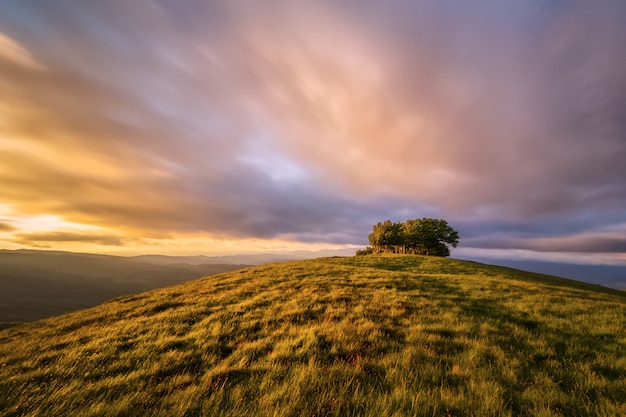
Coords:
pixel 367 251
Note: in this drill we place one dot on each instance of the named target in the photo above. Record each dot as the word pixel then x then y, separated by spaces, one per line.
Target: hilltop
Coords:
pixel 355 336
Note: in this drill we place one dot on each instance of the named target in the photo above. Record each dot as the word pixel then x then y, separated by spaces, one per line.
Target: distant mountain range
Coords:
pixel 247 259
pixel 39 284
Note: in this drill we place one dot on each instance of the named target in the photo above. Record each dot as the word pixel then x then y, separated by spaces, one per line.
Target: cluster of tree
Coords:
pixel 417 236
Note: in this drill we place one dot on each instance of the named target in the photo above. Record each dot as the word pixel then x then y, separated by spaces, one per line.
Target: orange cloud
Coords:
pixel 6 227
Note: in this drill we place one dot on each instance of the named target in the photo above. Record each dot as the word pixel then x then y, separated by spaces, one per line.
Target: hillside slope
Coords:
pixel 356 336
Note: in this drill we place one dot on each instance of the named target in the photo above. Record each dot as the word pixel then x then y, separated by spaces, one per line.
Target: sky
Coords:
pixel 214 127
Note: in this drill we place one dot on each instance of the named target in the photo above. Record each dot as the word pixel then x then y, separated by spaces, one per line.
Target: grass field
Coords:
pixel 385 335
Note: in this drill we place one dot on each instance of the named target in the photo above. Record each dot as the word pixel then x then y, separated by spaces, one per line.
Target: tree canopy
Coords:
pixel 423 236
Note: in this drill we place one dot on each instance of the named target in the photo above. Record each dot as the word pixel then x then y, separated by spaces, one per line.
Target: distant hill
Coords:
pixel 38 284
pixel 244 259
pixel 385 335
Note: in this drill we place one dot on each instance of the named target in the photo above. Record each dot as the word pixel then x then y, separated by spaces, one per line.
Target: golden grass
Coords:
pixel 387 335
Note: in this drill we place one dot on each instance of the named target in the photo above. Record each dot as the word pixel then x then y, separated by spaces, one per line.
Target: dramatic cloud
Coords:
pixel 586 243
pixel 309 122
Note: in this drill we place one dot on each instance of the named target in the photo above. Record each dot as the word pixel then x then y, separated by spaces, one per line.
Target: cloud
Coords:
pixel 554 239
pixel 41 239
pixel 4 227
pixel 314 121
pixel 13 53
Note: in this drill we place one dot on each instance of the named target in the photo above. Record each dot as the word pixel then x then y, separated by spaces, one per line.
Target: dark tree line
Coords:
pixel 417 236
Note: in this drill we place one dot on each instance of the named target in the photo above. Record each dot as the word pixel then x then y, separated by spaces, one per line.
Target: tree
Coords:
pixel 385 236
pixel 375 238
pixel 423 236
pixel 429 237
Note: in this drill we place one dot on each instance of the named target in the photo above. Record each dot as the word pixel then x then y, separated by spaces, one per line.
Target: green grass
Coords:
pixel 387 335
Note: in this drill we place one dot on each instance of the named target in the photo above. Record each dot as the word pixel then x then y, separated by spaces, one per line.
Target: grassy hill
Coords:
pixel 358 336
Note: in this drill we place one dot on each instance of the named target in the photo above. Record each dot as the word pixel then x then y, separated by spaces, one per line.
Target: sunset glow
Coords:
pixel 229 127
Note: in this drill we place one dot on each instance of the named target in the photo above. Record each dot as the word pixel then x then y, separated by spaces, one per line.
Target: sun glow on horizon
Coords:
pixel 51 232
